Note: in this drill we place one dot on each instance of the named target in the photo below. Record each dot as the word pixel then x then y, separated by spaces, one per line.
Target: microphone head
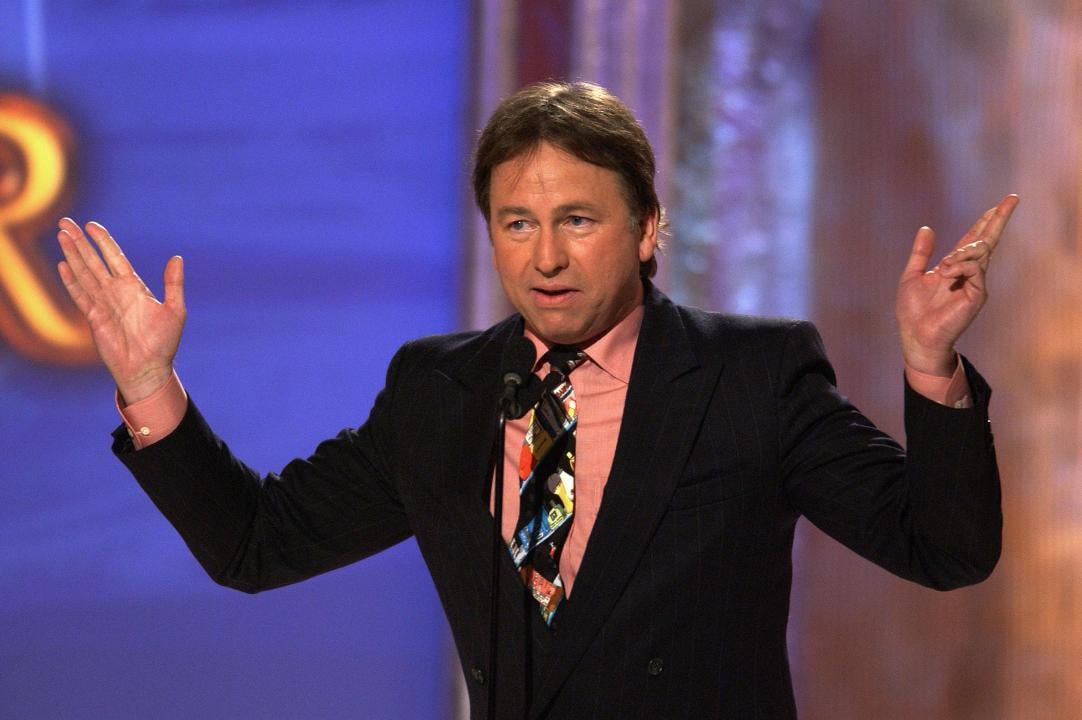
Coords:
pixel 518 358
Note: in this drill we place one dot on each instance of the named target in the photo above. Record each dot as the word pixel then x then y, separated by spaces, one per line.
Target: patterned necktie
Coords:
pixel 546 471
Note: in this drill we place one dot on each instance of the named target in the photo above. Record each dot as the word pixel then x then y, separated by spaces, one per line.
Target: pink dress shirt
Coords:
pixel 600 389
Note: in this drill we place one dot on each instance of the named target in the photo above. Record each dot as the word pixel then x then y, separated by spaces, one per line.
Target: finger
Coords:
pixel 66 223
pixel 74 258
pixel 75 290
pixel 974 232
pixel 1001 213
pixel 979 250
pixel 90 256
pixel 110 250
pixel 923 245
pixel 970 271
pixel 174 284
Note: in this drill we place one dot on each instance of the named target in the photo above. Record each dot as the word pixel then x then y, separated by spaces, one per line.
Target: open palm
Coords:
pixel 136 335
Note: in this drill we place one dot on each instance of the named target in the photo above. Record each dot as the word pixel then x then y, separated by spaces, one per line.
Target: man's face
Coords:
pixel 564 244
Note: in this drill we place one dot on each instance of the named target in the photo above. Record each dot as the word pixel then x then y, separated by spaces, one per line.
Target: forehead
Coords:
pixel 549 172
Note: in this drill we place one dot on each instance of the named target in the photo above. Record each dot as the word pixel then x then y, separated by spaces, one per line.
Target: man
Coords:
pixel 690 443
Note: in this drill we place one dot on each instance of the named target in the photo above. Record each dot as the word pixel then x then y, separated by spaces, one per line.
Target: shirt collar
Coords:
pixel 613 352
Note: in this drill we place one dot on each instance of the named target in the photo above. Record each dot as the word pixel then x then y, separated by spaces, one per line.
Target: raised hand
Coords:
pixel 934 307
pixel 136 336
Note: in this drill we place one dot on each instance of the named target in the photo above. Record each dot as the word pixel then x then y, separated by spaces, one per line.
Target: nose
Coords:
pixel 550 253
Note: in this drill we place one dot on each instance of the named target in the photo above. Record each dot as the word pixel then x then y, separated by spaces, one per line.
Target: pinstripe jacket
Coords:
pixel 732 430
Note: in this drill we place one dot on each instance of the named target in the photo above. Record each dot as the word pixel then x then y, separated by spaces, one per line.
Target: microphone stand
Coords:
pixel 497 550
pixel 510 406
pixel 519 358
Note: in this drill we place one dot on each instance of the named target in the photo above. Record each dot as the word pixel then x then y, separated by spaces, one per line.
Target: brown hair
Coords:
pixel 582 119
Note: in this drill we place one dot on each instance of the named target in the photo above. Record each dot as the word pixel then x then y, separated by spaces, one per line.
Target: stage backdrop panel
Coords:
pixel 306 160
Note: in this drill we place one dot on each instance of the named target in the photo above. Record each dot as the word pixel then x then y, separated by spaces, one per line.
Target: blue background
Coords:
pixel 308 161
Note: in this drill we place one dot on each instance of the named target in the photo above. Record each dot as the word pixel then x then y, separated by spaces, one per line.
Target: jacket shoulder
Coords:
pixel 741 333
pixel 438 346
pixel 471 357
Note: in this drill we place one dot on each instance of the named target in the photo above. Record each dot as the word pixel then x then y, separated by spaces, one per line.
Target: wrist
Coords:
pixel 144 385
pixel 940 363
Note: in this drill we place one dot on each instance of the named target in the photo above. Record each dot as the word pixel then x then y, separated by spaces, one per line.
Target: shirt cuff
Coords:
pixel 154 417
pixel 952 392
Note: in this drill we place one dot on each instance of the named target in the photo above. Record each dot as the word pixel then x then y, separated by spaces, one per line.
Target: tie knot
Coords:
pixel 564 358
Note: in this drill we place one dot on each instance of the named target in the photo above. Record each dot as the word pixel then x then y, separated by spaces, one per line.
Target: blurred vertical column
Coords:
pixel 930 112
pixel 1034 341
pixel 494 76
pixel 744 155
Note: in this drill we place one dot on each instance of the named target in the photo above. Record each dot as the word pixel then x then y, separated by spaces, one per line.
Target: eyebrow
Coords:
pixel 568 208
pixel 512 210
pixel 564 209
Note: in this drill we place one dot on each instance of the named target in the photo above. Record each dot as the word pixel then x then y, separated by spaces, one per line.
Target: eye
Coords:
pixel 517 225
pixel 578 221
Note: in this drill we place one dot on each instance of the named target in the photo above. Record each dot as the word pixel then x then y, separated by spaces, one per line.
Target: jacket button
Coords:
pixel 655 666
pixel 478 675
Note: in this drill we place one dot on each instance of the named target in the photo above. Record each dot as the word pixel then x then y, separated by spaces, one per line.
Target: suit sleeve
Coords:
pixel 930 513
pixel 253 533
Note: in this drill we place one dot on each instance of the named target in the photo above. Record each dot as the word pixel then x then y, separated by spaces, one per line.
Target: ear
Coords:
pixel 648 238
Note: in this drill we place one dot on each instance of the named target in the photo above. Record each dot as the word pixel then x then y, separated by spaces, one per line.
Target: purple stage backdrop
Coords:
pixel 307 160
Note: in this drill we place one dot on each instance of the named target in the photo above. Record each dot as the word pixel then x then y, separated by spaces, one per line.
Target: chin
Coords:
pixel 557 337
pixel 580 339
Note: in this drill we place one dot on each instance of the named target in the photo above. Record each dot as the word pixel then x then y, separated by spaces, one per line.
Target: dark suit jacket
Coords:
pixel 732 429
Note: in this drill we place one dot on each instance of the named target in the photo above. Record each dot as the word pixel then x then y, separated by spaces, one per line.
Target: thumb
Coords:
pixel 174 283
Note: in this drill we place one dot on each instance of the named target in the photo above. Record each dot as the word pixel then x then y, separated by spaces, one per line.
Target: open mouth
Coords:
pixel 552 295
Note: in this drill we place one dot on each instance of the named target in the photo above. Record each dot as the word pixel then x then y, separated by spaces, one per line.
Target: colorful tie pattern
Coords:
pixel 546 471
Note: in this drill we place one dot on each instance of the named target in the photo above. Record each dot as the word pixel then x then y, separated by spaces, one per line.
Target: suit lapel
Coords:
pixel 667 397
pixel 472 383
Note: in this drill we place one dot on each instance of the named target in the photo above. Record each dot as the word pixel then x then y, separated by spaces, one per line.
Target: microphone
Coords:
pixel 518 360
